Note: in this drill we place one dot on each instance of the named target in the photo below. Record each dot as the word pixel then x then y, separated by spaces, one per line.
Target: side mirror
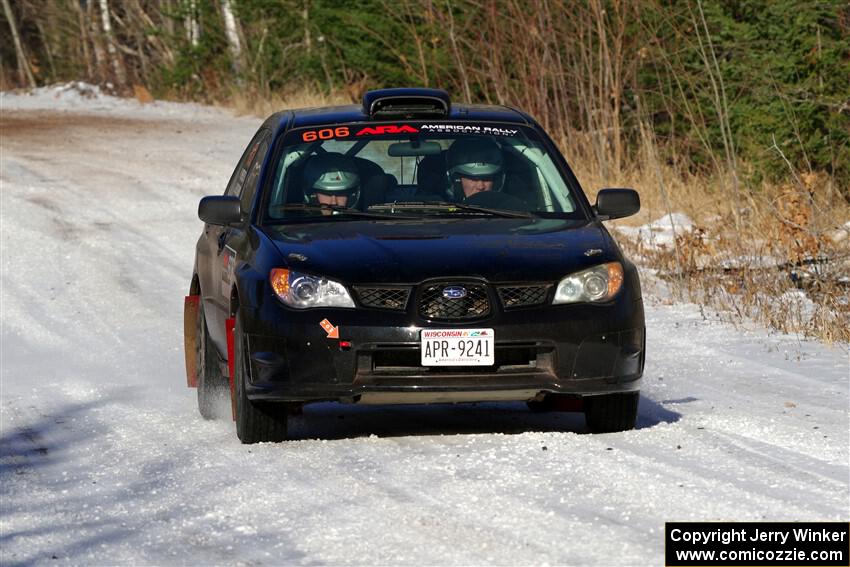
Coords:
pixel 220 210
pixel 617 203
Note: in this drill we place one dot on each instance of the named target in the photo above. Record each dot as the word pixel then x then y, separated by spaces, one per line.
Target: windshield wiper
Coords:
pixel 339 211
pixel 452 207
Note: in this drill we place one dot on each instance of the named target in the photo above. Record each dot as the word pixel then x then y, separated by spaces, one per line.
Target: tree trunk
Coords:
pixel 45 42
pixel 96 37
pixel 232 33
pixel 305 18
pixel 84 40
pixel 193 31
pixel 24 71
pixel 154 42
pixel 114 56
pixel 165 8
pixel 467 94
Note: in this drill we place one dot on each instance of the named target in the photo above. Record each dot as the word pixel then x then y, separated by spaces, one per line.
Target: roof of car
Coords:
pixel 354 113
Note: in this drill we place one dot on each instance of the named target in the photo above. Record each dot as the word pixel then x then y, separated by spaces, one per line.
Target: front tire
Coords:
pixel 213 386
pixel 255 423
pixel 611 412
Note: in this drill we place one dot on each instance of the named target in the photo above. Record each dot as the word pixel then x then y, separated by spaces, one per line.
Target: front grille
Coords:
pixel 520 357
pixel 409 360
pixel 523 296
pixel 394 298
pixel 434 305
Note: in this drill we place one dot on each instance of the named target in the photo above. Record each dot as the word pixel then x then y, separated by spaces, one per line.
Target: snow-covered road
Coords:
pixel 104 459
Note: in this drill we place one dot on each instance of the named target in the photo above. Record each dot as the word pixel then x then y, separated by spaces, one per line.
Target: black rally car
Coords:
pixel 411 250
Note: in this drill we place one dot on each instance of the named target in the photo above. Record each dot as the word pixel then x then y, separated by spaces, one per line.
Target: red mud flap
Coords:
pixel 229 325
pixel 191 303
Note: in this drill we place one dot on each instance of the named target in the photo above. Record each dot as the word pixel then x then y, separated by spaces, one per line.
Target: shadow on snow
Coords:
pixel 342 421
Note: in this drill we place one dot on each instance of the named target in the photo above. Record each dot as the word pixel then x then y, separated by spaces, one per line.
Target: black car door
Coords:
pixel 225 259
pixel 211 245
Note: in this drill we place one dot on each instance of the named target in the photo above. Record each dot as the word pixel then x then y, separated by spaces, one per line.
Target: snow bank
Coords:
pixel 77 96
pixel 840 234
pixel 659 233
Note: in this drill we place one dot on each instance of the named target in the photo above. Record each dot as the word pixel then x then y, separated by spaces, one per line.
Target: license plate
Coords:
pixel 457 347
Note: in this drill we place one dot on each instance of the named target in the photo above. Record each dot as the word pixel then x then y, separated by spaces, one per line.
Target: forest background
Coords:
pixel 734 113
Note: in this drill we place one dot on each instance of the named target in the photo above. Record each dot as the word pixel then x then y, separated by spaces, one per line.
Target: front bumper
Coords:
pixel 582 349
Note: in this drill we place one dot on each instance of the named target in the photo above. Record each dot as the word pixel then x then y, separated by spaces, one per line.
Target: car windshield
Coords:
pixel 416 169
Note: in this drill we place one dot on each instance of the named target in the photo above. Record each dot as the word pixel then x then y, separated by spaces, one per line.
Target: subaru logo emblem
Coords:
pixel 454 292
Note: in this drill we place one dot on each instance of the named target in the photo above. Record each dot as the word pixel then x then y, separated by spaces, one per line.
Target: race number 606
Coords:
pixel 325 134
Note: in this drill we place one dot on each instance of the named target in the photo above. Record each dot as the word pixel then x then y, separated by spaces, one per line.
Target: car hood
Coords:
pixel 498 250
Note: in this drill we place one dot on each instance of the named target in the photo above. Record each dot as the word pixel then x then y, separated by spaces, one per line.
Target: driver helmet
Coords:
pixel 474 158
pixel 331 173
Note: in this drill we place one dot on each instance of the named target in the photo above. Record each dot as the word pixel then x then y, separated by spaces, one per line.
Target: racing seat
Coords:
pixel 431 177
pixel 377 189
pixel 367 168
pixel 521 180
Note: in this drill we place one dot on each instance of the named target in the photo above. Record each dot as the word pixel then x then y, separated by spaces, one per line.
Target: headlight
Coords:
pixel 594 284
pixel 303 290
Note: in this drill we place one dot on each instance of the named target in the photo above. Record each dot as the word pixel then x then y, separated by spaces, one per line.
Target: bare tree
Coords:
pixel 232 32
pixel 114 56
pixel 305 18
pixel 193 30
pixel 24 71
pixel 458 58
pixel 84 39
pixel 96 41
pixel 721 107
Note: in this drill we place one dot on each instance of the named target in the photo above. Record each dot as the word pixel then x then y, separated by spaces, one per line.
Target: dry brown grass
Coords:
pixel 787 267
pixel 252 103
